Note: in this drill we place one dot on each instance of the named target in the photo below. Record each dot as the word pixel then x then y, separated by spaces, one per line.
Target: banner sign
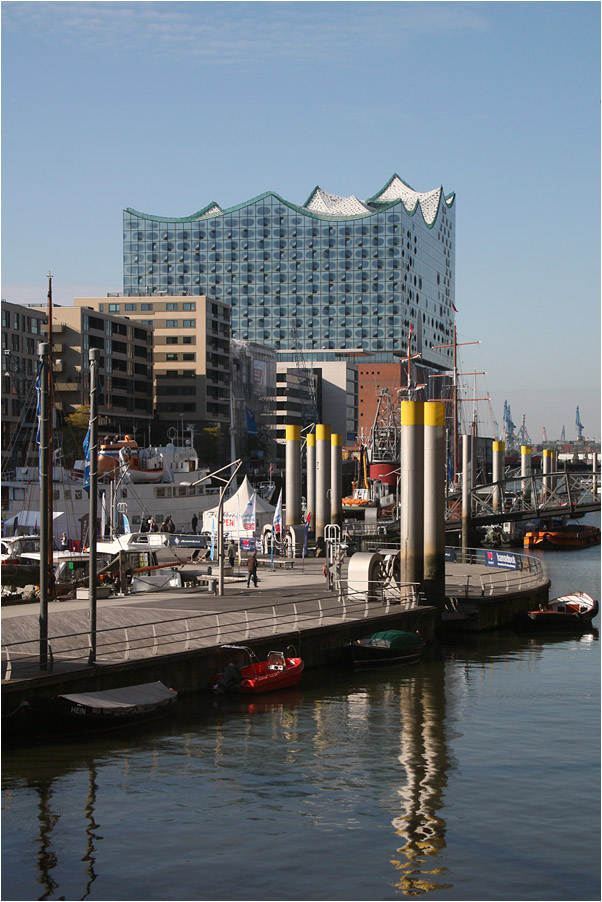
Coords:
pixel 501 559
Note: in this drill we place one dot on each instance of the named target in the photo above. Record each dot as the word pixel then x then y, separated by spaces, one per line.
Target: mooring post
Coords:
pixel 322 478
pixel 412 492
pixel 434 502
pixel 499 453
pixel 466 496
pixel 293 475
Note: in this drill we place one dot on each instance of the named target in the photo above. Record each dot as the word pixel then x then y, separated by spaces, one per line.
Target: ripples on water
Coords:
pixel 474 775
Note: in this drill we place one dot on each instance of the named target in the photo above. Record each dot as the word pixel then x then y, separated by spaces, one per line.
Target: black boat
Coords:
pixel 385 648
pixel 106 710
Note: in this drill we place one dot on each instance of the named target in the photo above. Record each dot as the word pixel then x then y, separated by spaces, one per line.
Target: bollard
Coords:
pixel 336 478
pixel 311 479
pixel 498 455
pixel 412 492
pixel 525 471
pixel 434 502
pixel 466 497
pixel 293 475
pixel 322 478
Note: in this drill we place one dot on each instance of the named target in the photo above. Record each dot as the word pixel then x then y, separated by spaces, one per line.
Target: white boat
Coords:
pixel 118 491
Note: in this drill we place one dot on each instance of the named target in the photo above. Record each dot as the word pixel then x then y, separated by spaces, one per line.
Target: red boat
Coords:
pixel 574 611
pixel 280 671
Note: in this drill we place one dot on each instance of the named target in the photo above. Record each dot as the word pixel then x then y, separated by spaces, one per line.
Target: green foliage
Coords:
pixel 74 432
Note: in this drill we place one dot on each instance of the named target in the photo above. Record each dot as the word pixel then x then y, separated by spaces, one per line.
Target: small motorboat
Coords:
pixel 280 671
pixel 390 647
pixel 104 710
pixel 573 611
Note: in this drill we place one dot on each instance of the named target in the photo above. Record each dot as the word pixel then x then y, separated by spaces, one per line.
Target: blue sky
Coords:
pixel 164 107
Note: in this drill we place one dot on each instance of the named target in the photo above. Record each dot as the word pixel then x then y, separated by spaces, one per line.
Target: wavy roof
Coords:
pixel 323 205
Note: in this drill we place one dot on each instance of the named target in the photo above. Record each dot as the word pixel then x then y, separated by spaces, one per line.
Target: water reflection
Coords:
pixel 47 859
pixel 329 765
pixel 424 758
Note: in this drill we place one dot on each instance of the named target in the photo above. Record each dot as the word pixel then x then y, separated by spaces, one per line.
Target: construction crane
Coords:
pixel 522 435
pixel 494 423
pixel 579 426
pixel 509 426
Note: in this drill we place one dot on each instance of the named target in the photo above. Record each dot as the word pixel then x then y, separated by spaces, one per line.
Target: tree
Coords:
pixel 74 433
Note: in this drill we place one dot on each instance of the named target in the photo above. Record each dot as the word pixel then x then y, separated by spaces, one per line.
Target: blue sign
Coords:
pixel 247 544
pixel 450 554
pixel 501 559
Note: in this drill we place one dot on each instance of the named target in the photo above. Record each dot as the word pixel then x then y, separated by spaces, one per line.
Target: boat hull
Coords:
pixel 568 612
pixel 389 648
pixel 564 538
pixel 108 710
pixel 371 656
pixel 258 678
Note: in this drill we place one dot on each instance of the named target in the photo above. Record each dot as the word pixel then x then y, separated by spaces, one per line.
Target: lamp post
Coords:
pixel 234 467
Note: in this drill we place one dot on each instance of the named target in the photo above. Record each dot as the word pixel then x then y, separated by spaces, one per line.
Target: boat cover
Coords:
pixel 393 639
pixel 124 697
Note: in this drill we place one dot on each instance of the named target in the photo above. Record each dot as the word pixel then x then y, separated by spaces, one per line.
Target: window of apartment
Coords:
pixel 16 321
pixel 114 308
pixel 131 307
pixel 188 356
pixel 187 340
pixel 5 319
pixel 189 323
pixel 188 306
pixel 171 324
pixel 171 340
pixel 171 356
pixel 146 306
pixel 171 306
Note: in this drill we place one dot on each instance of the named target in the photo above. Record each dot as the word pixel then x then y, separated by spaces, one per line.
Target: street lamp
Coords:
pixel 235 465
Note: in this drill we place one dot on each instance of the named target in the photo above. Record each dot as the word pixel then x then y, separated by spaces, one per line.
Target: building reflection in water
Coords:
pixel 47 859
pixel 424 758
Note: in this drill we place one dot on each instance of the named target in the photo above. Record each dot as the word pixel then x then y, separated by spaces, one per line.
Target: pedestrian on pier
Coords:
pixel 252 569
pixel 231 552
pixel 195 523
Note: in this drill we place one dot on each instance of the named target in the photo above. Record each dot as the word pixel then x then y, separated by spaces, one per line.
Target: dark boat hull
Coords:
pixel 100 711
pixel 371 656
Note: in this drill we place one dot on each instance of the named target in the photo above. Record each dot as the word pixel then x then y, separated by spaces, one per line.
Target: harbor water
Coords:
pixel 474 775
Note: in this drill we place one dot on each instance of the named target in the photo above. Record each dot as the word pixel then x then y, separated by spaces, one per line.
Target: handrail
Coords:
pixel 211 629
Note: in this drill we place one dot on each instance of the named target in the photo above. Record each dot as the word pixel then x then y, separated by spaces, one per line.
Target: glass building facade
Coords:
pixel 334 273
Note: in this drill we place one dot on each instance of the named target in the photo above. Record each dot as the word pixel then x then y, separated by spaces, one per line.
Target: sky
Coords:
pixel 166 106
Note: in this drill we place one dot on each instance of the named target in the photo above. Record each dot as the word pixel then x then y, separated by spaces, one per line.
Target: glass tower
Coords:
pixel 334 273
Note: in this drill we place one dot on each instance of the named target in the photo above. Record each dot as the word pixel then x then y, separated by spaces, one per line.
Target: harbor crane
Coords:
pixel 579 426
pixel 509 426
pixel 522 435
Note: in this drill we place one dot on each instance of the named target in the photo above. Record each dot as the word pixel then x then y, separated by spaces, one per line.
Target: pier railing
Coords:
pixel 137 640
pixel 496 573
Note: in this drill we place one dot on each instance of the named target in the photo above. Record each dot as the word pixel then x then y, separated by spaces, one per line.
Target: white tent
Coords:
pixel 234 508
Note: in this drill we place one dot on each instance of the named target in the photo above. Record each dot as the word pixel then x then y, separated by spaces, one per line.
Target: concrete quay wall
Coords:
pixel 191 671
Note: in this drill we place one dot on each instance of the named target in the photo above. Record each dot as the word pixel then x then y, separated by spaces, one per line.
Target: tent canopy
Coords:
pixel 233 511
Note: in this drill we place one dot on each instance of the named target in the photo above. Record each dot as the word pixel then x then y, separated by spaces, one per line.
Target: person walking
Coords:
pixel 252 569
pixel 64 542
pixel 195 523
pixel 231 552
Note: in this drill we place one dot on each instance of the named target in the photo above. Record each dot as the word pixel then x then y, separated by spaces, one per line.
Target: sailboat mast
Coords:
pixel 50 464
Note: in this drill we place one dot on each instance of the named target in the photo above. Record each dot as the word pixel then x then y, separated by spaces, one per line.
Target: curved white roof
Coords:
pixel 428 200
pixel 334 205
